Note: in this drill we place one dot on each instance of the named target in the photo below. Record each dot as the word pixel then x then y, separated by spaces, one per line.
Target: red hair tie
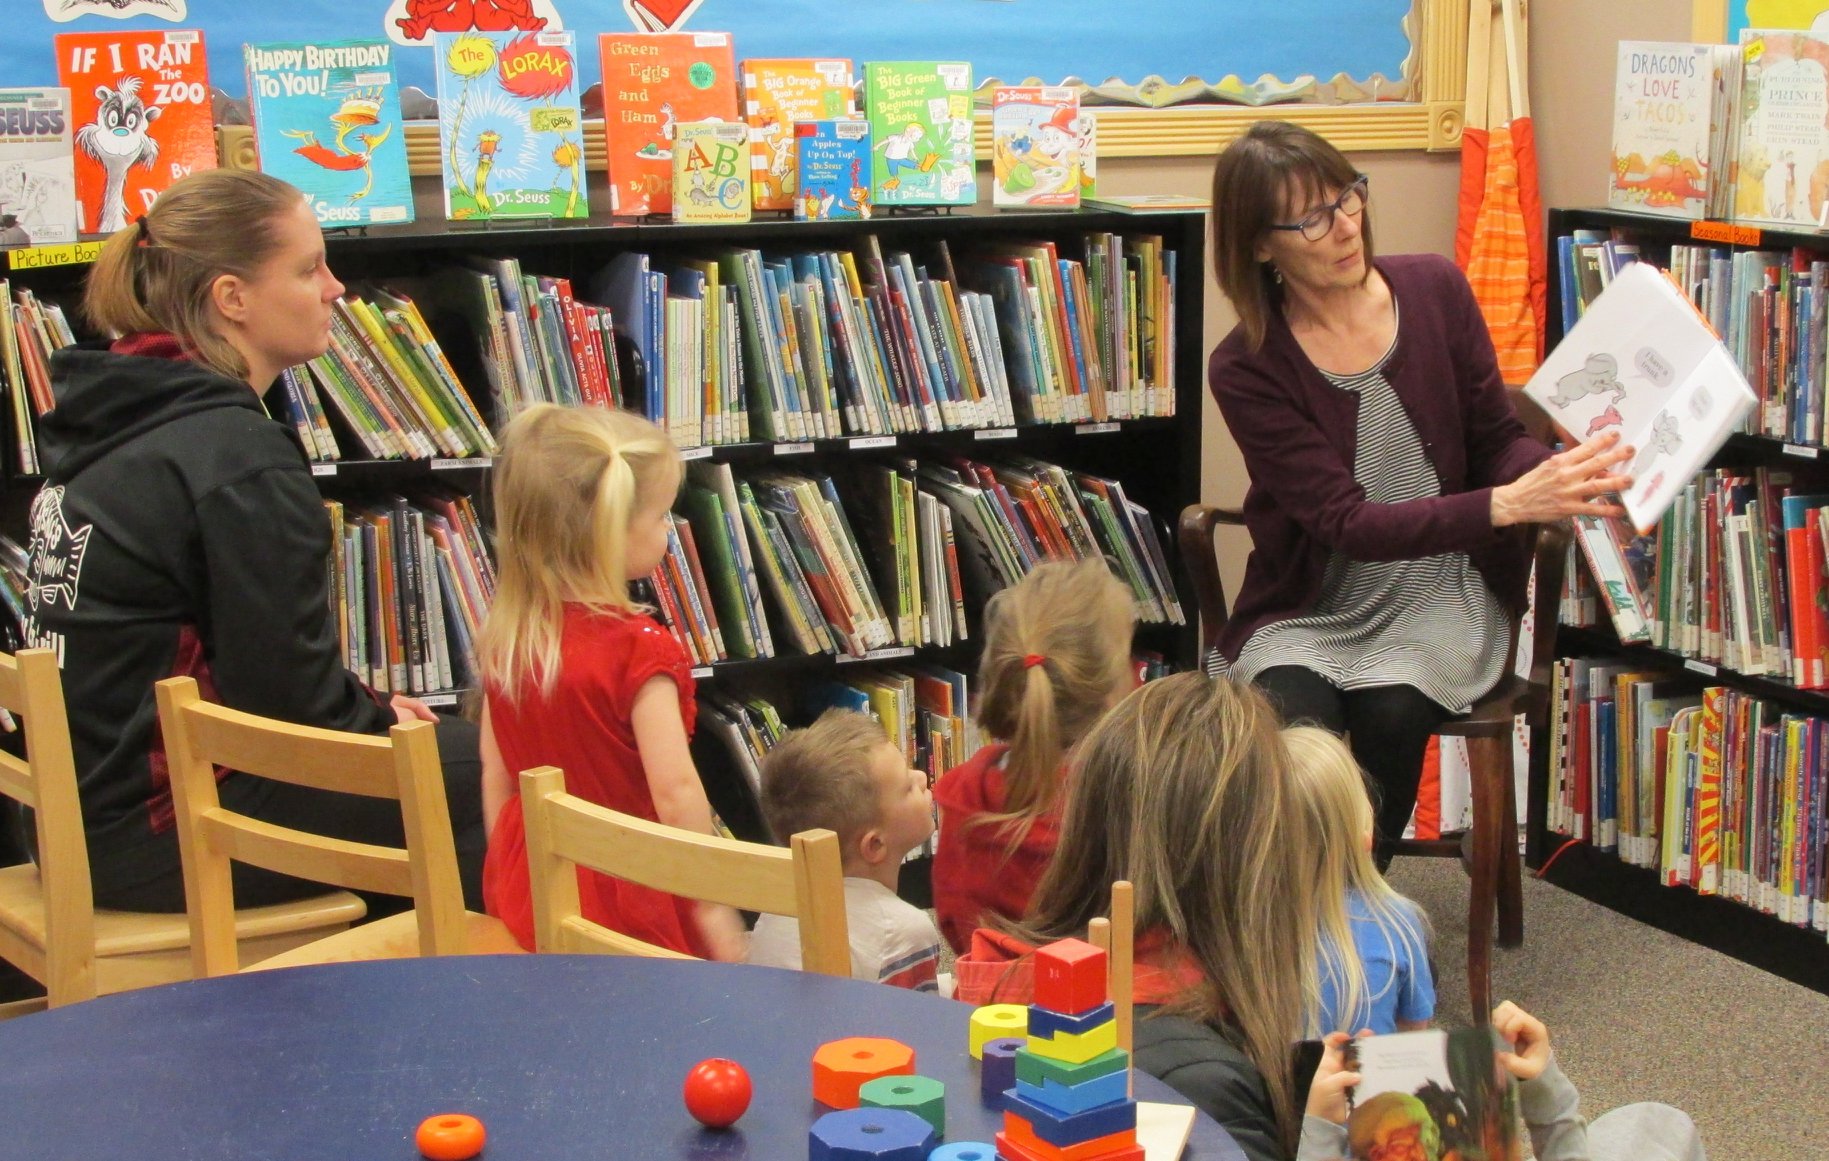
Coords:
pixel 1031 660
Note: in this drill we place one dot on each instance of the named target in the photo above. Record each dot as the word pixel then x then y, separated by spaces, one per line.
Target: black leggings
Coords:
pixel 148 876
pixel 1388 726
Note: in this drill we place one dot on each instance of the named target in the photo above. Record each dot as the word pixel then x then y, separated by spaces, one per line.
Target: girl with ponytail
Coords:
pixel 1056 656
pixel 577 675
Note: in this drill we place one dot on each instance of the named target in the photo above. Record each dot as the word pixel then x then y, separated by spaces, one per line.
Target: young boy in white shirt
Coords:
pixel 844 774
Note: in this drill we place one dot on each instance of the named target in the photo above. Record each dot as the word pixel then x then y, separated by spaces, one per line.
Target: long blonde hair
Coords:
pixel 157 274
pixel 1074 622
pixel 1325 776
pixel 568 483
pixel 1183 790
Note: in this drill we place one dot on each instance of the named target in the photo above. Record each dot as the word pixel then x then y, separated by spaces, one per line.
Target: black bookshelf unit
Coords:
pixel 1795 953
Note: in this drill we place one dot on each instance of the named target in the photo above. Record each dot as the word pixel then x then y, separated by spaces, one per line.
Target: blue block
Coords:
pixel 1063 1131
pixel 870 1135
pixel 1045 1022
pixel 997 1069
pixel 964 1151
pixel 1067 1099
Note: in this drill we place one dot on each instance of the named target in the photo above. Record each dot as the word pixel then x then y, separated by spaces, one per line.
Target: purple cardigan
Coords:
pixel 1297 432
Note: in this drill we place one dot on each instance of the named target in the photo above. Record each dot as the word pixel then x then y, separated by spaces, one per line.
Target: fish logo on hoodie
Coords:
pixel 56 556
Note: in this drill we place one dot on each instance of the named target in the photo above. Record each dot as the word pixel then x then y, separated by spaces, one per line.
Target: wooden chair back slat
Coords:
pixel 355 866
pixel 300 755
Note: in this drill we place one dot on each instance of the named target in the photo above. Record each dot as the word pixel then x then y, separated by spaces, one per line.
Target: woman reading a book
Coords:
pixel 178 532
pixel 1392 484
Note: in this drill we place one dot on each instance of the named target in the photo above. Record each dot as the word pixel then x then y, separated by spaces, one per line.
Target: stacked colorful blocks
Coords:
pixel 1072 1096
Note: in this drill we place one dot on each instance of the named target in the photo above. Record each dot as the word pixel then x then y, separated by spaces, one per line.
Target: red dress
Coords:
pixel 975 873
pixel 583 727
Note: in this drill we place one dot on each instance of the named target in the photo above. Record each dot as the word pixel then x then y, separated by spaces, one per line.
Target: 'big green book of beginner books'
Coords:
pixel 920 133
pixel 510 134
pixel 327 119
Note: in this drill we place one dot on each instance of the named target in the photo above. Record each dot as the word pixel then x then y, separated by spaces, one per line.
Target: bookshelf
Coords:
pixel 1798 953
pixel 1157 459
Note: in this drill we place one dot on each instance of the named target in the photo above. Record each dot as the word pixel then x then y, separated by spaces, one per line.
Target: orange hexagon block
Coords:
pixel 841 1067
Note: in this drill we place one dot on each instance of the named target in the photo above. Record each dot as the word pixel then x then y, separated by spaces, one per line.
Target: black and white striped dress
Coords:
pixel 1430 623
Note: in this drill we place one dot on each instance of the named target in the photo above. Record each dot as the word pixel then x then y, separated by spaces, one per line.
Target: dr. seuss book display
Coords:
pixel 711 172
pixel 327 119
pixel 1433 1093
pixel 1040 143
pixel 140 103
pixel 1782 159
pixel 37 173
pixel 653 82
pixel 1641 361
pixel 1672 122
pixel 510 134
pixel 833 160
pixel 921 133
pixel 777 95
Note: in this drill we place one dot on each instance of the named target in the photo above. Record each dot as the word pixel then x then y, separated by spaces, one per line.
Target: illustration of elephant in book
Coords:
pixel 1663 439
pixel 1599 375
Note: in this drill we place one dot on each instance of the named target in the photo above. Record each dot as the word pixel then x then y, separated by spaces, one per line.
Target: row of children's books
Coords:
pixel 1713 789
pixel 410 584
pixel 1724 131
pixel 736 344
pixel 937 536
pixel 686 130
pixel 30 330
pixel 1737 574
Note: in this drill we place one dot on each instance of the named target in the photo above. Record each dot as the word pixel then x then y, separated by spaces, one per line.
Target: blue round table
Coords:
pixel 560 1056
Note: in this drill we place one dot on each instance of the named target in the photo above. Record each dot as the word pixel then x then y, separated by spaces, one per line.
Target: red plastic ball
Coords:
pixel 450 1137
pixel 717 1092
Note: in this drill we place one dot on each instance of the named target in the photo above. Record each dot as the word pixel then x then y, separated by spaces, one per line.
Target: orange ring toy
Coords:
pixel 450 1137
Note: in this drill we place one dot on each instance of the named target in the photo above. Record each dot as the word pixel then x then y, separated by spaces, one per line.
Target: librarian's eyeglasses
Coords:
pixel 1320 223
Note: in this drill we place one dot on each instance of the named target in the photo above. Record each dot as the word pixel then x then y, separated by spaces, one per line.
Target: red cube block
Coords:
pixel 1069 977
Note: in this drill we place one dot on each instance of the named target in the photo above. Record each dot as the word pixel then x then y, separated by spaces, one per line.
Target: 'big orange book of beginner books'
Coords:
pixel 140 102
pixel 653 81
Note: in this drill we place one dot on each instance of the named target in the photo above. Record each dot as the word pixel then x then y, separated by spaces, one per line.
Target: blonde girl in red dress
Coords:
pixel 577 675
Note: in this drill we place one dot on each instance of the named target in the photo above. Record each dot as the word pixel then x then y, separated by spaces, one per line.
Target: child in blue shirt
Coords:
pixel 1373 961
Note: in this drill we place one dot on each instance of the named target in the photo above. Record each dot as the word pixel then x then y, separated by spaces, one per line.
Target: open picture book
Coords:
pixel 1643 362
pixel 1435 1093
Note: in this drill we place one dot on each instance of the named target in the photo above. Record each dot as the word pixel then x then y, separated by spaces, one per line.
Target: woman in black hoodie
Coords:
pixel 179 532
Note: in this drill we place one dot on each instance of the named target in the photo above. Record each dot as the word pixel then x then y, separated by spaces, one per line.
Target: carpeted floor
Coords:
pixel 1636 1014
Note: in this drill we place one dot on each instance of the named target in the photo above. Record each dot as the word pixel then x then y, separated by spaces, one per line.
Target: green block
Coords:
pixel 923 1096
pixel 1034 1068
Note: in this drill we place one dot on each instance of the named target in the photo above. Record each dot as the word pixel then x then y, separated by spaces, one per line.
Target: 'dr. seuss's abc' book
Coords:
pixel 140 104
pixel 327 119
pixel 778 94
pixel 1672 117
pixel 921 133
pixel 37 173
pixel 711 172
pixel 833 159
pixel 510 133
pixel 1040 145
pixel 652 83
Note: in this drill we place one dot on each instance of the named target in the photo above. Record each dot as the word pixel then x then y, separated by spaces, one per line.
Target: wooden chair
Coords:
pixel 565 832
pixel 1487 728
pixel 49 926
pixel 200 736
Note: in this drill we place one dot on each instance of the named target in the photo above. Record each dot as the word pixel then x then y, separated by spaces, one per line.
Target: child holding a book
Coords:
pixel 843 774
pixel 1056 656
pixel 1376 975
pixel 577 675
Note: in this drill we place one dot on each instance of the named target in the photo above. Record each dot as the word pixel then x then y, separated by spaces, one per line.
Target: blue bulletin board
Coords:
pixel 1263 47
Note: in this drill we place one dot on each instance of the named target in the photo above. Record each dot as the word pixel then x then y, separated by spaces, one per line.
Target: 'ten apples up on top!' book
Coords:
pixel 510 133
pixel 1672 121
pixel 921 132
pixel 778 94
pixel 327 119
pixel 653 81
pixel 140 102
pixel 833 160
pixel 37 176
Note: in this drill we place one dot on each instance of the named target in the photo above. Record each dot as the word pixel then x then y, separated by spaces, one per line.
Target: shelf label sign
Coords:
pixel 71 254
pixel 1702 667
pixel 1726 232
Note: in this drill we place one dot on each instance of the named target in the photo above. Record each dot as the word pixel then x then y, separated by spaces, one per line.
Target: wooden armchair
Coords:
pixel 565 832
pixel 49 926
pixel 1487 727
pixel 404 765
